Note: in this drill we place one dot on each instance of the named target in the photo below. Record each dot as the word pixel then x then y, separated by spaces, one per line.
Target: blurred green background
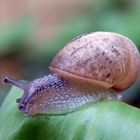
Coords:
pixel 31 32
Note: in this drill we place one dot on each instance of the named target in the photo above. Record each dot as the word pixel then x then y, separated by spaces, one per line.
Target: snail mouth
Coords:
pixel 26 110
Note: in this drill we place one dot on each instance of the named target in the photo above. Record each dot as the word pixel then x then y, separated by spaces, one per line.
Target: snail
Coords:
pixel 91 67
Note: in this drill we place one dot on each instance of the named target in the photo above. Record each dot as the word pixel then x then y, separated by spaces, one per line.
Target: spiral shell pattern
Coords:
pixel 103 57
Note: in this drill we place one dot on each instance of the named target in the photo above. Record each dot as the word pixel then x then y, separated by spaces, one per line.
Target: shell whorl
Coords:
pixel 101 57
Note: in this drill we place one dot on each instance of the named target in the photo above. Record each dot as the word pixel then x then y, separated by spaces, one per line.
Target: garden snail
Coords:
pixel 91 67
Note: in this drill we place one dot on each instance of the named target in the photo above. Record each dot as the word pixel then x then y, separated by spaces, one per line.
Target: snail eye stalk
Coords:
pixel 19 84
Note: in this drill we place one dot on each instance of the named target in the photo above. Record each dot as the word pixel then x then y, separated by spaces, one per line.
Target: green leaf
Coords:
pixel 104 120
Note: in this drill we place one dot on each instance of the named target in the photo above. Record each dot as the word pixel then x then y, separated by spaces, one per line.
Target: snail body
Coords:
pixel 91 67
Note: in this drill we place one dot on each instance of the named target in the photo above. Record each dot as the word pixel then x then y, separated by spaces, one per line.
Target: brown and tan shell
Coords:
pixel 108 59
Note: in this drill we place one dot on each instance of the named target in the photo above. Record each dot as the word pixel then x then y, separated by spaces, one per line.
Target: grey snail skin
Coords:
pixel 91 67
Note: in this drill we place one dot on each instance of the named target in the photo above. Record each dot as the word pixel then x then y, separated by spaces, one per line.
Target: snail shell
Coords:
pixel 104 58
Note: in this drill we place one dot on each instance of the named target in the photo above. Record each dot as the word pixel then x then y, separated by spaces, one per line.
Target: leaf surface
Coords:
pixel 104 120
